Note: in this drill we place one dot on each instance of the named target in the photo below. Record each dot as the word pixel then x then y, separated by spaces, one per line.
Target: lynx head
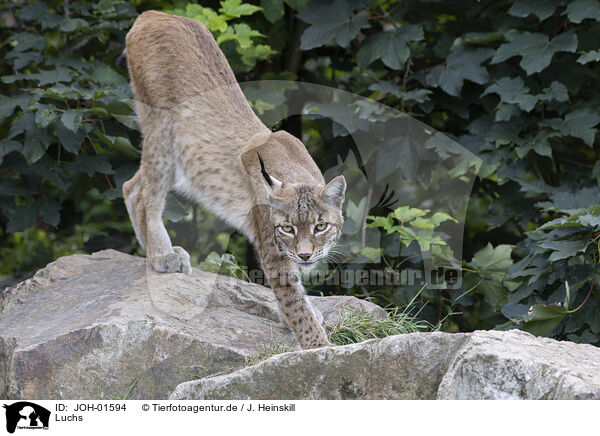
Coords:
pixel 306 219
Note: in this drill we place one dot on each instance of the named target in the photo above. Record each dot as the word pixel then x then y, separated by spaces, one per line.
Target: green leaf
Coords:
pixel 535 49
pixel 105 6
pixel 273 10
pixel 27 41
pixel 98 110
pixel 462 64
pixel 44 115
pixel 35 146
pixel 118 143
pixel 494 259
pixel 492 264
pixel 23 218
pixel 371 253
pixel 579 10
pixel 563 249
pixel 590 56
pixel 235 8
pixel 105 75
pixel 120 107
pixel 402 153
pixel 384 222
pixel 36 140
pixel 580 123
pixel 513 91
pixel 406 234
pixel 431 222
pixel 20 60
pixel 59 74
pixel 33 11
pixel 73 24
pixel 391 47
pixel 422 223
pixel 556 92
pixel 227 35
pixel 215 22
pixel 71 119
pixel 504 112
pixel 407 213
pixel 573 202
pixel 541 8
pixel 9 104
pixel 244 33
pixel 329 22
pixel 581 219
pixel 70 140
pixel 130 121
pixel 92 164
pixel 49 209
pixel 538 143
pixel 440 217
pixel 543 318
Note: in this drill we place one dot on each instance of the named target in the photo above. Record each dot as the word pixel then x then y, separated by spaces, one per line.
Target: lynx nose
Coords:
pixel 304 256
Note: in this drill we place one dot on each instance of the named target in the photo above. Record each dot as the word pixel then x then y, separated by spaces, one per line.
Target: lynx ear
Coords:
pixel 333 192
pixel 273 185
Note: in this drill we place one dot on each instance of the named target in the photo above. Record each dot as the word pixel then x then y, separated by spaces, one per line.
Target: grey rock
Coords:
pixel 517 365
pixel 397 367
pixel 93 326
pixel 479 365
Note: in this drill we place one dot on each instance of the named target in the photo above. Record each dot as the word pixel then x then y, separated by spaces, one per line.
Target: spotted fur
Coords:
pixel 202 139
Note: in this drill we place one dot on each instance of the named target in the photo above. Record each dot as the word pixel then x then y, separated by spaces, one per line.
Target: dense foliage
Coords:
pixel 514 82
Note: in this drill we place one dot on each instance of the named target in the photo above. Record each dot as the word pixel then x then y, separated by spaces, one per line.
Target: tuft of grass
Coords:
pixel 361 326
pixel 354 327
pixel 269 350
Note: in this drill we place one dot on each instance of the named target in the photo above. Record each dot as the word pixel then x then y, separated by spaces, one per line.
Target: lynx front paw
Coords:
pixel 178 261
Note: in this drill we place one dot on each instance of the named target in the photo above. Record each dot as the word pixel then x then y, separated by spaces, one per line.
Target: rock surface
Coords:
pixel 479 365
pixel 93 326
pixel 96 326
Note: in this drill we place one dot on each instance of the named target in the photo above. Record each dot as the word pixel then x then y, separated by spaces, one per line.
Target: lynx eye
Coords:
pixel 321 227
pixel 287 229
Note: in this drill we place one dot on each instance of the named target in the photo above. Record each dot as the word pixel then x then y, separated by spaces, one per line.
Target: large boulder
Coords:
pixel 97 326
pixel 479 365
pixel 93 326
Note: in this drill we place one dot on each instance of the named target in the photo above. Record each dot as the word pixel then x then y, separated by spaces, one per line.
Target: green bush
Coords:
pixel 67 125
pixel 515 83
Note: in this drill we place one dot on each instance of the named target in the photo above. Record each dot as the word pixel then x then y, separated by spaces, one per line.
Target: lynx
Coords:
pixel 202 140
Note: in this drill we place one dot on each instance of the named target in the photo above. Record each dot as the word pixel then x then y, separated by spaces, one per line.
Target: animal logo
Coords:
pixel 24 414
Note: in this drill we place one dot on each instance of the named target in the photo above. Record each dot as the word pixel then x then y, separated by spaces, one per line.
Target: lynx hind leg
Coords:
pixel 156 178
pixel 134 202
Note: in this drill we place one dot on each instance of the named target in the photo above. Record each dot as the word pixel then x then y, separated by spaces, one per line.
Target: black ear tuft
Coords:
pixel 264 172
